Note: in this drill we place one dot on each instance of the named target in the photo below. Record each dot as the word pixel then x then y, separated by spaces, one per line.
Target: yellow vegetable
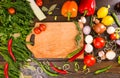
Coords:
pixel 108 20
pixel 102 12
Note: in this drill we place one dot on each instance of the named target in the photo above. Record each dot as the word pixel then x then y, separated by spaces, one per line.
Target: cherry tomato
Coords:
pixel 113 36
pixel 39 2
pixel 37 30
pixel 42 27
pixel 11 10
pixel 98 42
pixel 89 60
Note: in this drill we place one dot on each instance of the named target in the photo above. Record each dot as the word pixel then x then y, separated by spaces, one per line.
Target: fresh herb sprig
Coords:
pixel 78 36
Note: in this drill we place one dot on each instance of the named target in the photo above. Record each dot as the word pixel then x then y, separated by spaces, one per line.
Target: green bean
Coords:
pixel 103 70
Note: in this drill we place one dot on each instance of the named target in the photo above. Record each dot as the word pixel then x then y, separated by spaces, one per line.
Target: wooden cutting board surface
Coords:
pixel 57 41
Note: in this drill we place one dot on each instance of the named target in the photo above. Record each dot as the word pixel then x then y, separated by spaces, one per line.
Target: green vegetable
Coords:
pixel 103 70
pixel 78 36
pixel 77 67
pixel 45 69
pixel 20 22
pixel 118 59
pixel 116 18
pixel 74 53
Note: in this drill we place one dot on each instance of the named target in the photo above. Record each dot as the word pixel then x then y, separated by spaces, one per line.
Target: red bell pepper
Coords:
pixel 87 7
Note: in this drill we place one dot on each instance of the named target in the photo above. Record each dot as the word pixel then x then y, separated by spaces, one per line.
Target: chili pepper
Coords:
pixel 69 9
pixel 78 54
pixel 103 69
pixel 6 70
pixel 115 18
pixel 60 71
pixel 87 7
pixel 10 49
pixel 45 69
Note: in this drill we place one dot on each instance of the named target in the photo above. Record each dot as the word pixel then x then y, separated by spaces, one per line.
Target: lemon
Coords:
pixel 102 12
pixel 108 20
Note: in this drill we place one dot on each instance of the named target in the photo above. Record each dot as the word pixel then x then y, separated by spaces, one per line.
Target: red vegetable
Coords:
pixel 11 10
pixel 37 30
pixel 87 6
pixel 98 42
pixel 42 27
pixel 10 49
pixel 60 71
pixel 89 60
pixel 113 36
pixel 39 2
pixel 6 70
pixel 78 54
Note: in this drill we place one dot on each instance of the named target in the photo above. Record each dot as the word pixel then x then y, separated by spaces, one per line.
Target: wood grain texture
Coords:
pixel 114 72
pixel 57 41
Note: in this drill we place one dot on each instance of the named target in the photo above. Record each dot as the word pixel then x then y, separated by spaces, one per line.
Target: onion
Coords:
pixel 89 48
pixel 86 30
pixel 118 42
pixel 99 28
pixel 89 39
pixel 110 30
pixel 110 55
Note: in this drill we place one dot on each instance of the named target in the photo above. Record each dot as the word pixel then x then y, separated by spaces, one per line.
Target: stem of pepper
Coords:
pixel 68 15
pixel 6 70
pixel 85 12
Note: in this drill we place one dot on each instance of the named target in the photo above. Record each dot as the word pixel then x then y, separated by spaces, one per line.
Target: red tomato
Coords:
pixel 37 30
pixel 113 36
pixel 89 60
pixel 42 27
pixel 11 10
pixel 98 42
pixel 39 2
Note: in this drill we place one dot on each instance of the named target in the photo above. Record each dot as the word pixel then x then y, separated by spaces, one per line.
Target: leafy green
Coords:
pixel 20 22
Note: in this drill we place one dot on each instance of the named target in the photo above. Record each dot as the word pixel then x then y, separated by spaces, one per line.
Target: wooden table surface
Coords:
pixel 114 72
